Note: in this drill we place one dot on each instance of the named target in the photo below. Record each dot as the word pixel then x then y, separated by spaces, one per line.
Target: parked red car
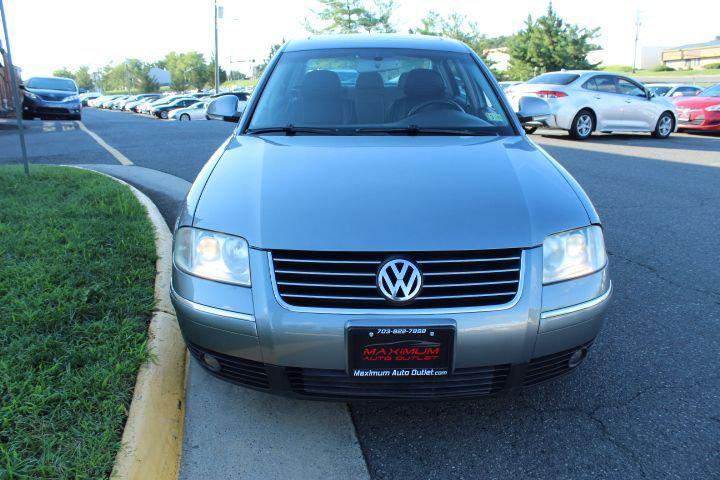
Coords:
pixel 701 112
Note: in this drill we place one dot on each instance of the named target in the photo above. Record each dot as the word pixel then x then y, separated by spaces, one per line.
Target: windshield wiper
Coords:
pixel 418 130
pixel 291 129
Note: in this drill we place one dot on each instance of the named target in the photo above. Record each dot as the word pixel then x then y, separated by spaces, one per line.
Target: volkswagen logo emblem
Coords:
pixel 399 280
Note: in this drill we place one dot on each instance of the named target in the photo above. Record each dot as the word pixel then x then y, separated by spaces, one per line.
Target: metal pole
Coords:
pixel 637 32
pixel 14 87
pixel 217 60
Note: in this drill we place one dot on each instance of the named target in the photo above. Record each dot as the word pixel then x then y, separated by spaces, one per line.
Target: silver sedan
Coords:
pixel 582 102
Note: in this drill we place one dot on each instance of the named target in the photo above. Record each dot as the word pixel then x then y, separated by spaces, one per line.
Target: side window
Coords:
pixel 688 91
pixel 591 84
pixel 605 84
pixel 626 87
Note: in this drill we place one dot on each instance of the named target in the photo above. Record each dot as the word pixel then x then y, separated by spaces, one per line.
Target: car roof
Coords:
pixel 422 42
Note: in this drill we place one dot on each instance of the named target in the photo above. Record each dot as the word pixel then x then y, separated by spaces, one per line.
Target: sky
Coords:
pixel 48 34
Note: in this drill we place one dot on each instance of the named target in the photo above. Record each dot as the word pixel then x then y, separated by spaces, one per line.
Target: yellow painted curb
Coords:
pixel 153 435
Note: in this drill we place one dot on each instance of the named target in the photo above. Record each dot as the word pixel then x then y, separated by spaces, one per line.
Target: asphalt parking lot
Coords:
pixel 646 404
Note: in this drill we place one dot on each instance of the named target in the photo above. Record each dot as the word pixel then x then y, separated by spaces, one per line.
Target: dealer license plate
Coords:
pixel 400 352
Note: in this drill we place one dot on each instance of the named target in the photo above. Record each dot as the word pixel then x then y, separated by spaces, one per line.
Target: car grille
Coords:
pixel 238 370
pixel 348 280
pixel 548 367
pixel 464 382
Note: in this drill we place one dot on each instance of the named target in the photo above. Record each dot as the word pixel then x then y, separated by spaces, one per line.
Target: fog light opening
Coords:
pixel 577 357
pixel 211 362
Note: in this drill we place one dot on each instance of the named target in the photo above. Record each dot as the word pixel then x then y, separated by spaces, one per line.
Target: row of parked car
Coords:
pixel 583 102
pixel 182 107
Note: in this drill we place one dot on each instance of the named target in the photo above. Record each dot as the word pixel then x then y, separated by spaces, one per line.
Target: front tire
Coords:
pixel 184 117
pixel 163 115
pixel 664 126
pixel 583 125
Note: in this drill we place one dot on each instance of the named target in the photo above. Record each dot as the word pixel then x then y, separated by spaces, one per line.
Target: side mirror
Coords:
pixel 532 109
pixel 224 108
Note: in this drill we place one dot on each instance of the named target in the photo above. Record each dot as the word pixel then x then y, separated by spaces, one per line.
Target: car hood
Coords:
pixel 46 94
pixel 387 193
pixel 696 102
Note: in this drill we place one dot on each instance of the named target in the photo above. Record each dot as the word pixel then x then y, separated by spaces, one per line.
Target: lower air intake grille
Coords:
pixel 349 279
pixel 548 367
pixel 465 382
pixel 238 370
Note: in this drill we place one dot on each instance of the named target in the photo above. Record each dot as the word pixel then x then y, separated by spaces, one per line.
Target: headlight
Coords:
pixel 713 108
pixel 31 95
pixel 211 255
pixel 71 98
pixel 573 254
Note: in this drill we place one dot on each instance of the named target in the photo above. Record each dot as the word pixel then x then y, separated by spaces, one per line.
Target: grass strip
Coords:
pixel 77 266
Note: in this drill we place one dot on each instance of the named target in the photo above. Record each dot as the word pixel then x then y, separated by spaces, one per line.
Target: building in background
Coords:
pixel 695 55
pixel 499 57
pixel 598 57
pixel 7 107
pixel 161 76
pixel 650 57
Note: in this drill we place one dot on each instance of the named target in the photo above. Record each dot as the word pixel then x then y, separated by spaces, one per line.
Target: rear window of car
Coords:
pixel 555 78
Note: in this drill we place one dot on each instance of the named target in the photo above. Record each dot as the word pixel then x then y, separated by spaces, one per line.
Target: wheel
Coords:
pixel 583 125
pixel 184 117
pixel 664 126
pixel 163 114
pixel 529 129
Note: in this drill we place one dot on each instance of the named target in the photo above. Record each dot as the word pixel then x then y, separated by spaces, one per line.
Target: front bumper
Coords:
pixel 47 109
pixel 248 338
pixel 701 120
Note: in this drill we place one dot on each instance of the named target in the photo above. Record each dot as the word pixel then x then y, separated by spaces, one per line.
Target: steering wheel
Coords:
pixel 417 108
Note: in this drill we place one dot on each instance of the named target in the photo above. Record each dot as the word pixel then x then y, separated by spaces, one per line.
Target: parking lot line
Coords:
pixel 113 151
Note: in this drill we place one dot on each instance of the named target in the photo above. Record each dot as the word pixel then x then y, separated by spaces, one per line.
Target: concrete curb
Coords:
pixel 153 435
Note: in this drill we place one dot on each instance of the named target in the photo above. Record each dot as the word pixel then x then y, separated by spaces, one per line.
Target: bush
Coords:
pixel 663 68
pixel 712 66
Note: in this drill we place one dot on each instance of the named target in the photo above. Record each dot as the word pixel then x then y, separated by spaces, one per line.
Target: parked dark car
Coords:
pixel 161 111
pixel 51 97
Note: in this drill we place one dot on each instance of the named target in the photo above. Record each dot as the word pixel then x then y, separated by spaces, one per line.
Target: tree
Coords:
pixel 549 44
pixel 83 78
pixel 144 82
pixel 458 27
pixel 352 16
pixel 63 72
pixel 260 68
pixel 187 70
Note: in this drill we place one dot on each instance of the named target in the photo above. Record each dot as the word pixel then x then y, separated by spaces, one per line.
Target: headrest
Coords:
pixel 368 80
pixel 321 83
pixel 423 82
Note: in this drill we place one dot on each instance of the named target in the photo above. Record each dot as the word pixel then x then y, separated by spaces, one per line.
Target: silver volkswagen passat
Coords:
pixel 387 234
pixel 583 102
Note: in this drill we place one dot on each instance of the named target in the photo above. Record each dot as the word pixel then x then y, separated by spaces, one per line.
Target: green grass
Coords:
pixel 239 83
pixel 77 266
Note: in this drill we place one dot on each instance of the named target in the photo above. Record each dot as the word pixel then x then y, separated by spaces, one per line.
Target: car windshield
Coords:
pixel 380 91
pixel 555 78
pixel 52 84
pixel 711 92
pixel 659 91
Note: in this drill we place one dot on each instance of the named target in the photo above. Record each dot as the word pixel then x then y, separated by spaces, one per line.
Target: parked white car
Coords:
pixel 673 89
pixel 193 112
pixel 582 102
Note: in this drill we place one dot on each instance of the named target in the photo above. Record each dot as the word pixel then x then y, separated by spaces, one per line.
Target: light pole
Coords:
pixel 637 32
pixel 217 59
pixel 14 87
